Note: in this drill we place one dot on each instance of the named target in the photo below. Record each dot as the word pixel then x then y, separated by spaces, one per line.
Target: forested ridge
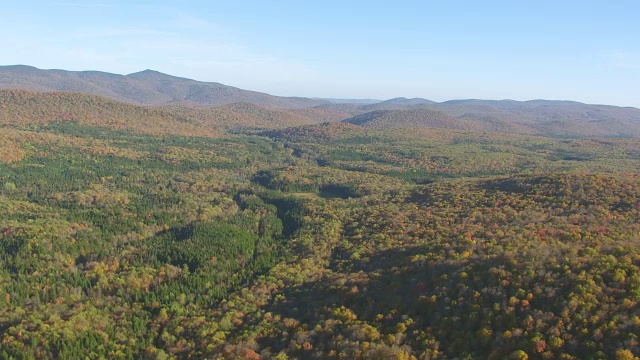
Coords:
pixel 213 106
pixel 147 87
pixel 123 238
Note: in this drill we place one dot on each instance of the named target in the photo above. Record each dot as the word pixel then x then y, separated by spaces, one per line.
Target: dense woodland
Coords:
pixel 127 239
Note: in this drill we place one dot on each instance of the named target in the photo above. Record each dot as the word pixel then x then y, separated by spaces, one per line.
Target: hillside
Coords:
pixel 247 115
pixel 547 118
pixel 322 133
pixel 25 107
pixel 542 117
pixel 406 119
pixel 346 108
pixel 146 87
pixel 243 115
pixel 426 118
pixel 552 118
pixel 400 103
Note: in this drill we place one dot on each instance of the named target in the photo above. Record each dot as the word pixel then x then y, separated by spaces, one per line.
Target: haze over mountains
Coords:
pixel 227 107
pixel 146 87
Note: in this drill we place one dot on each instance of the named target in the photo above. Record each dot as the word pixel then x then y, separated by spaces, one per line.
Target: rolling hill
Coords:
pixel 540 117
pixel 428 118
pixel 24 107
pixel 248 115
pixel 406 118
pixel 317 133
pixel 400 103
pixel 551 118
pixel 215 105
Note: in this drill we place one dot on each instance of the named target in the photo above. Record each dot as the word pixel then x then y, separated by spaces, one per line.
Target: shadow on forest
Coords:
pixel 390 281
pixel 517 185
pixel 507 185
pixel 333 191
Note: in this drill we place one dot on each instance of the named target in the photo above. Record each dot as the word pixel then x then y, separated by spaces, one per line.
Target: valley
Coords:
pixel 294 228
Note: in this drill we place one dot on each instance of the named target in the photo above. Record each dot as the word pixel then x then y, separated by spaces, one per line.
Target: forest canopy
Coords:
pixel 325 241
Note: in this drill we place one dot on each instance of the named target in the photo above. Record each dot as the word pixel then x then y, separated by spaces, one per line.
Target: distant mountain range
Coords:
pixel 541 117
pixel 350 101
pixel 147 87
pixel 219 106
pixel 550 118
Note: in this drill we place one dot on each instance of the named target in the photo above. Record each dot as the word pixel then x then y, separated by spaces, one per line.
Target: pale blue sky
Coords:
pixel 577 50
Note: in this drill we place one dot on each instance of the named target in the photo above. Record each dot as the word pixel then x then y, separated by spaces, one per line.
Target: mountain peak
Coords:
pixel 148 87
pixel 19 69
pixel 148 73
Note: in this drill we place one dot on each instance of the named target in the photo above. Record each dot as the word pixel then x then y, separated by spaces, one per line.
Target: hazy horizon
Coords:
pixel 345 100
pixel 578 51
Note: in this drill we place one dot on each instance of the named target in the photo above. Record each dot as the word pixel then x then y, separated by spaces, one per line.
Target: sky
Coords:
pixel 586 51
